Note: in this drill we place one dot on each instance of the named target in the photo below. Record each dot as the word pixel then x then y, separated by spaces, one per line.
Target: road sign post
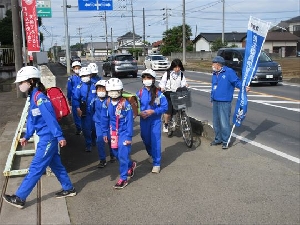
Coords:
pixel 95 5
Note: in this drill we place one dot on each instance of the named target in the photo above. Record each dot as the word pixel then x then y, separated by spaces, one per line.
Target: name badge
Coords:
pixel 36 112
pixel 215 87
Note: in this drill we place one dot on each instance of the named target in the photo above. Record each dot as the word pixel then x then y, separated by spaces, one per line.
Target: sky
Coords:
pixel 203 16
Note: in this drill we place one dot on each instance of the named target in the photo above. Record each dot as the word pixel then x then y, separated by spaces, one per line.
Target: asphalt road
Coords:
pixel 202 185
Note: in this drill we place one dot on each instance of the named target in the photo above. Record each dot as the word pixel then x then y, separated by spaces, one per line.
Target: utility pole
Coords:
pixel 112 41
pixel 183 34
pixel 106 33
pixel 17 38
pixel 144 33
pixel 223 25
pixel 79 32
pixel 133 32
pixel 166 14
pixel 67 38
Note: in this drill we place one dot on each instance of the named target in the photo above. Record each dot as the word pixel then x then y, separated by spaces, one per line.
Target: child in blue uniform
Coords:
pixel 72 84
pixel 42 120
pixel 117 118
pixel 153 104
pixel 97 104
pixel 84 94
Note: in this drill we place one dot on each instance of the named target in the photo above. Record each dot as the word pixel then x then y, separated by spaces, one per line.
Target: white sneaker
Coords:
pixel 165 128
pixel 156 169
pixel 150 160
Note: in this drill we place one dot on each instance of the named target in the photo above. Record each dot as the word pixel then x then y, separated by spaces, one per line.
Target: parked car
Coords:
pixel 117 65
pixel 75 58
pixel 156 62
pixel 267 70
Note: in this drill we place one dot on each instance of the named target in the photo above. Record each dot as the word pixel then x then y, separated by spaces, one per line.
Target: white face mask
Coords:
pixel 147 83
pixel 85 79
pixel 24 87
pixel 101 94
pixel 114 94
pixel 214 68
pixel 76 71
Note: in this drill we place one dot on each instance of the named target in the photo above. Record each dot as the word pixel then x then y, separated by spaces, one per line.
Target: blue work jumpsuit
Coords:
pixel 42 120
pixel 125 132
pixel 86 92
pixel 151 126
pixel 72 83
pixel 97 105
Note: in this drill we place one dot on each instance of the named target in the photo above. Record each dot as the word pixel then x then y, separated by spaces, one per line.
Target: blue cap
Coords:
pixel 219 59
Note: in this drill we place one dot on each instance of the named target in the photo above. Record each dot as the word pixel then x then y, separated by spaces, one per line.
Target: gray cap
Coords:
pixel 219 59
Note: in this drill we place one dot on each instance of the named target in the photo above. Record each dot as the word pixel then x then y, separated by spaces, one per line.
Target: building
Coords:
pixel 204 41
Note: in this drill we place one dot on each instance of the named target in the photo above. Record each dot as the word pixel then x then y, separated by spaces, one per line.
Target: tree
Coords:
pixel 172 41
pixel 217 44
pixel 6 31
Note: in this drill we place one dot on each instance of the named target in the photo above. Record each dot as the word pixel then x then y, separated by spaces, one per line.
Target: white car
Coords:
pixel 157 62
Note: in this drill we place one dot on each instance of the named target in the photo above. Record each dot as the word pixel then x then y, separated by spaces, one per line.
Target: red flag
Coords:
pixel 31 25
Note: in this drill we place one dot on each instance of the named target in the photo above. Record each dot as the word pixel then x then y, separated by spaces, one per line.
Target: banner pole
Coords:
pixel 230 135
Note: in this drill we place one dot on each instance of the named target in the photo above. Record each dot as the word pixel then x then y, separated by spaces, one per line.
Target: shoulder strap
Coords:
pixel 181 75
pixel 168 74
pixel 141 92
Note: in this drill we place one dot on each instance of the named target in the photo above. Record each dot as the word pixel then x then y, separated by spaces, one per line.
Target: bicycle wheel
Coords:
pixel 186 129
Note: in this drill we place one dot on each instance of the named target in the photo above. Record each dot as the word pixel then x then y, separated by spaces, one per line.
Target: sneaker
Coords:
pixel 165 128
pixel 150 160
pixel 156 169
pixel 102 164
pixel 78 132
pixel 224 146
pixel 121 184
pixel 214 143
pixel 112 159
pixel 14 201
pixel 67 193
pixel 130 172
pixel 88 149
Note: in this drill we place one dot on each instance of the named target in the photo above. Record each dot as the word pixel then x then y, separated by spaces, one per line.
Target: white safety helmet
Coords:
pixel 101 83
pixel 114 84
pixel 85 71
pixel 26 73
pixel 93 67
pixel 149 72
pixel 76 63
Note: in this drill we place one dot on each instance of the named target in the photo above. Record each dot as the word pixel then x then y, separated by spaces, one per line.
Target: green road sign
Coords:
pixel 44 12
pixel 43 8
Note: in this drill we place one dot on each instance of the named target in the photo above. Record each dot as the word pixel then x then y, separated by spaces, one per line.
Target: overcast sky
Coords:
pixel 201 15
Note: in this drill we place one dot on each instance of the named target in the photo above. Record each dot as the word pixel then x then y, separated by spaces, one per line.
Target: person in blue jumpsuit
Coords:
pixel 72 84
pixel 97 104
pixel 117 119
pixel 84 94
pixel 42 120
pixel 153 104
pixel 94 79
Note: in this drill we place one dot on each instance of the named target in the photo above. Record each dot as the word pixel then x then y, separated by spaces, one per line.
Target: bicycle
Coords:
pixel 181 100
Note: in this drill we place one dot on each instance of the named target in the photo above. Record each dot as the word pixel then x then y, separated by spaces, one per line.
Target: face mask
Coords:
pixel 114 94
pixel 101 94
pixel 213 68
pixel 24 87
pixel 147 83
pixel 85 79
pixel 76 71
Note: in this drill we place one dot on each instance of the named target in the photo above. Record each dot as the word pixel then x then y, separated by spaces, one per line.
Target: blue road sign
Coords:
pixel 95 5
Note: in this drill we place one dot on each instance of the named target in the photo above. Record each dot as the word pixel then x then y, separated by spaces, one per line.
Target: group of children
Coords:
pixel 102 114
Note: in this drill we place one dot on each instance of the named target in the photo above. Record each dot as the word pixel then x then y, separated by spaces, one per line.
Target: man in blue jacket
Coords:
pixel 224 81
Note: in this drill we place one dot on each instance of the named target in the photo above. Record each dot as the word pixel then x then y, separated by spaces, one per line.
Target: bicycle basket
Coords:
pixel 181 99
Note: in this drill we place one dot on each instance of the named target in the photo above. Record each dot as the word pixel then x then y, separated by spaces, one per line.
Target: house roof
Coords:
pixel 281 36
pixel 157 43
pixel 293 20
pixel 285 24
pixel 229 37
pixel 129 35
